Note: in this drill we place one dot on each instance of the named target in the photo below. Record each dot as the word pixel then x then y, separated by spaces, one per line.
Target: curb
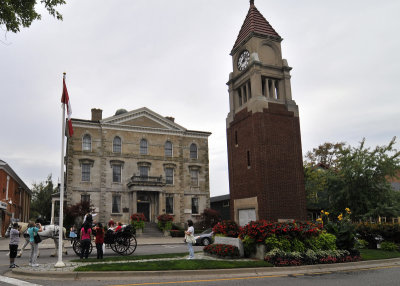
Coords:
pixel 283 271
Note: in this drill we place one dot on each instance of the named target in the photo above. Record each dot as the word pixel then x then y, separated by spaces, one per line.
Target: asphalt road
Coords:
pixel 372 276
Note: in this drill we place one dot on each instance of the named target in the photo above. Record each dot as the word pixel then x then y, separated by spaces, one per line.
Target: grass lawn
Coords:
pixel 174 265
pixel 130 258
pixel 375 254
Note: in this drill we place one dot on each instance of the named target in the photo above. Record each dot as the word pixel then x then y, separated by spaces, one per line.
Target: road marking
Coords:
pixel 197 281
pixel 16 282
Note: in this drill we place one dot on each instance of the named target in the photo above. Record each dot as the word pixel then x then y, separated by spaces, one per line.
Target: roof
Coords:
pixel 220 198
pixel 255 23
pixel 4 166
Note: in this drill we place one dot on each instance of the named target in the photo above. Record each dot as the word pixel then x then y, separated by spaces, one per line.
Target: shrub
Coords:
pixel 274 242
pixel 361 244
pixel 282 258
pixel 370 231
pixel 389 246
pixel 249 246
pixel 344 230
pixel 226 228
pixel 261 229
pixel 209 218
pixel 325 241
pixel 222 250
pixel 165 222
pixel 137 220
pixel 297 245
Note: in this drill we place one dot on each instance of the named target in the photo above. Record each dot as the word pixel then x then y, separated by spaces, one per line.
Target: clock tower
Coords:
pixel 263 129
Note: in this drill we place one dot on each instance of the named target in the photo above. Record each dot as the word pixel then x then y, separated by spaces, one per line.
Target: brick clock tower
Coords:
pixel 263 129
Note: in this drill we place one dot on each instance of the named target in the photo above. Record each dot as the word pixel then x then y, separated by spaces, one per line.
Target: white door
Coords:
pixel 246 216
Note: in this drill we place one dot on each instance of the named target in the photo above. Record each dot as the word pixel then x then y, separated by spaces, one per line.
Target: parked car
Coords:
pixel 205 238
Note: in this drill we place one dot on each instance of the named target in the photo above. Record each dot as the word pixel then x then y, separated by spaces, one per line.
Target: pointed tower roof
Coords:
pixel 255 23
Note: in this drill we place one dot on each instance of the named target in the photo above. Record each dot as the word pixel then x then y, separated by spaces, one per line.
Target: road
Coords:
pixel 365 277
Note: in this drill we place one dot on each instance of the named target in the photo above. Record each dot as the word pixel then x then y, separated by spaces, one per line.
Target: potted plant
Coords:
pixel 137 221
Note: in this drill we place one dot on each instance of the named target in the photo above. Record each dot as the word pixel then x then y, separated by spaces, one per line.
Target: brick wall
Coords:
pixel 275 175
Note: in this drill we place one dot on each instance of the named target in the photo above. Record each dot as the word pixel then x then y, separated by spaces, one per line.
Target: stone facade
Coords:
pixel 138 161
pixel 263 129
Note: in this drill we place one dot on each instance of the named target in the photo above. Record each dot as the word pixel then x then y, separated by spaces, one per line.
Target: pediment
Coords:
pixel 144 118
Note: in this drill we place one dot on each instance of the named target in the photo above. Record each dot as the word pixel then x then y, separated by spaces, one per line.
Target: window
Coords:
pixel 85 198
pixel 194 178
pixel 117 144
pixel 116 173
pixel 87 143
pixel 169 176
pixel 116 204
pixel 144 171
pixel 225 204
pixel 143 147
pixel 168 149
pixel 193 151
pixel 86 172
pixel 169 205
pixel 195 205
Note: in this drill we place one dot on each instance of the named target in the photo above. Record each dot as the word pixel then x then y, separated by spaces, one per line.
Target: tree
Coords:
pixel 41 199
pixel 15 14
pixel 325 154
pixel 357 179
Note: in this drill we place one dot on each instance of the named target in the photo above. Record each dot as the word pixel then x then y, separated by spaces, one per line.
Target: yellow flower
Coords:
pixel 319 219
pixel 340 217
pixel 347 210
pixel 326 213
pixel 322 211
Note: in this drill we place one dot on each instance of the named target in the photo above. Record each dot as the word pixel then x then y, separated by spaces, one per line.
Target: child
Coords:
pixel 14 241
pixel 99 240
pixel 72 233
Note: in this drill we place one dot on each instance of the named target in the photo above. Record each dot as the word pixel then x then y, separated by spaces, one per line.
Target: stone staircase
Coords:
pixel 151 230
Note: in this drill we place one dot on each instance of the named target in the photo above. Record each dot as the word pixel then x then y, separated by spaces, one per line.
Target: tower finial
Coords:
pixel 251 2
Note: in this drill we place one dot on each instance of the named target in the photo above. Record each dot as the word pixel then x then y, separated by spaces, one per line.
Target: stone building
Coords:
pixel 138 161
pixel 263 129
pixel 15 197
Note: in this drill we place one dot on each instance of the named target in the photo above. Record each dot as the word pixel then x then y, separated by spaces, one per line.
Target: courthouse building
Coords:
pixel 137 161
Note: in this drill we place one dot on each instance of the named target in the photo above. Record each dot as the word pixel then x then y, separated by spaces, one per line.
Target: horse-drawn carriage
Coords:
pixel 122 242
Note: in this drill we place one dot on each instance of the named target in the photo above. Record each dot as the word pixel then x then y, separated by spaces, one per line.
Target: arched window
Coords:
pixel 168 149
pixel 87 143
pixel 117 144
pixel 143 146
pixel 193 151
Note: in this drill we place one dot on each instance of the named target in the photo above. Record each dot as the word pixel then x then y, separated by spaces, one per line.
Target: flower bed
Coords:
pixel 227 228
pixel 222 250
pixel 137 220
pixel 165 222
pixel 279 257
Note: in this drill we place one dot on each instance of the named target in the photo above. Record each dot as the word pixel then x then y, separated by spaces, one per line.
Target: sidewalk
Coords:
pixel 49 243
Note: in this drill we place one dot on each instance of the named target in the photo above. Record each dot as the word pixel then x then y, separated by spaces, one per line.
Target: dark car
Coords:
pixel 205 238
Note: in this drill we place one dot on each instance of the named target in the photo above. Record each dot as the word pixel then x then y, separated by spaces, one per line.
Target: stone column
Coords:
pixel 267 93
pixel 134 202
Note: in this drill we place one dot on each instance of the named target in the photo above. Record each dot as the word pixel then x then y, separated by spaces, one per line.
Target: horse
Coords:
pixel 48 231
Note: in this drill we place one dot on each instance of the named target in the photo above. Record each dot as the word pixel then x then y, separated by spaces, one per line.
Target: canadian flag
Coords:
pixel 65 100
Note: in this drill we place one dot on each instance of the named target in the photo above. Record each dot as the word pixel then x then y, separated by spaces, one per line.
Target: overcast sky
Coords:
pixel 173 57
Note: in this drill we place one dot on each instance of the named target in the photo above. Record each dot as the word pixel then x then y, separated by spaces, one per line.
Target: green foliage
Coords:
pixel 41 199
pixel 165 222
pixel 356 178
pixel 74 214
pixel 361 244
pixel 17 14
pixel 344 230
pixel 272 242
pixel 249 246
pixel 389 246
pixel 325 241
pixel 369 232
pixel 297 245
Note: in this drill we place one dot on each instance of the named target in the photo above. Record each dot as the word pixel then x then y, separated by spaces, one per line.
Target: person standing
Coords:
pixel 33 230
pixel 14 241
pixel 86 233
pixel 189 237
pixel 99 240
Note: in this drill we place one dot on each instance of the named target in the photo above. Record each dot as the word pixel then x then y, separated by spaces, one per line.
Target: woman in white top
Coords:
pixel 190 236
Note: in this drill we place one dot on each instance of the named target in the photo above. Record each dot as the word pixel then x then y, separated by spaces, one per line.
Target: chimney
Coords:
pixel 96 114
pixel 170 118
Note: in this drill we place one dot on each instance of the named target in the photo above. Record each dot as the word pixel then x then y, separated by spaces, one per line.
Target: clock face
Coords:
pixel 243 60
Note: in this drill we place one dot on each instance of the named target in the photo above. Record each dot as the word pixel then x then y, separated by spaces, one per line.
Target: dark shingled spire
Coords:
pixel 255 23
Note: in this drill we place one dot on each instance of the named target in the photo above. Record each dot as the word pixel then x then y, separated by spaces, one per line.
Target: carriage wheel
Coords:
pixel 76 246
pixel 132 245
pixel 121 245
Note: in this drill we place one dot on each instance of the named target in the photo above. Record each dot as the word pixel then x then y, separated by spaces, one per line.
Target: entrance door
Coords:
pixel 246 216
pixel 145 209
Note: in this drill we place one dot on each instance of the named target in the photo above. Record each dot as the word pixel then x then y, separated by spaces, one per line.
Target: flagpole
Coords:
pixel 60 263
